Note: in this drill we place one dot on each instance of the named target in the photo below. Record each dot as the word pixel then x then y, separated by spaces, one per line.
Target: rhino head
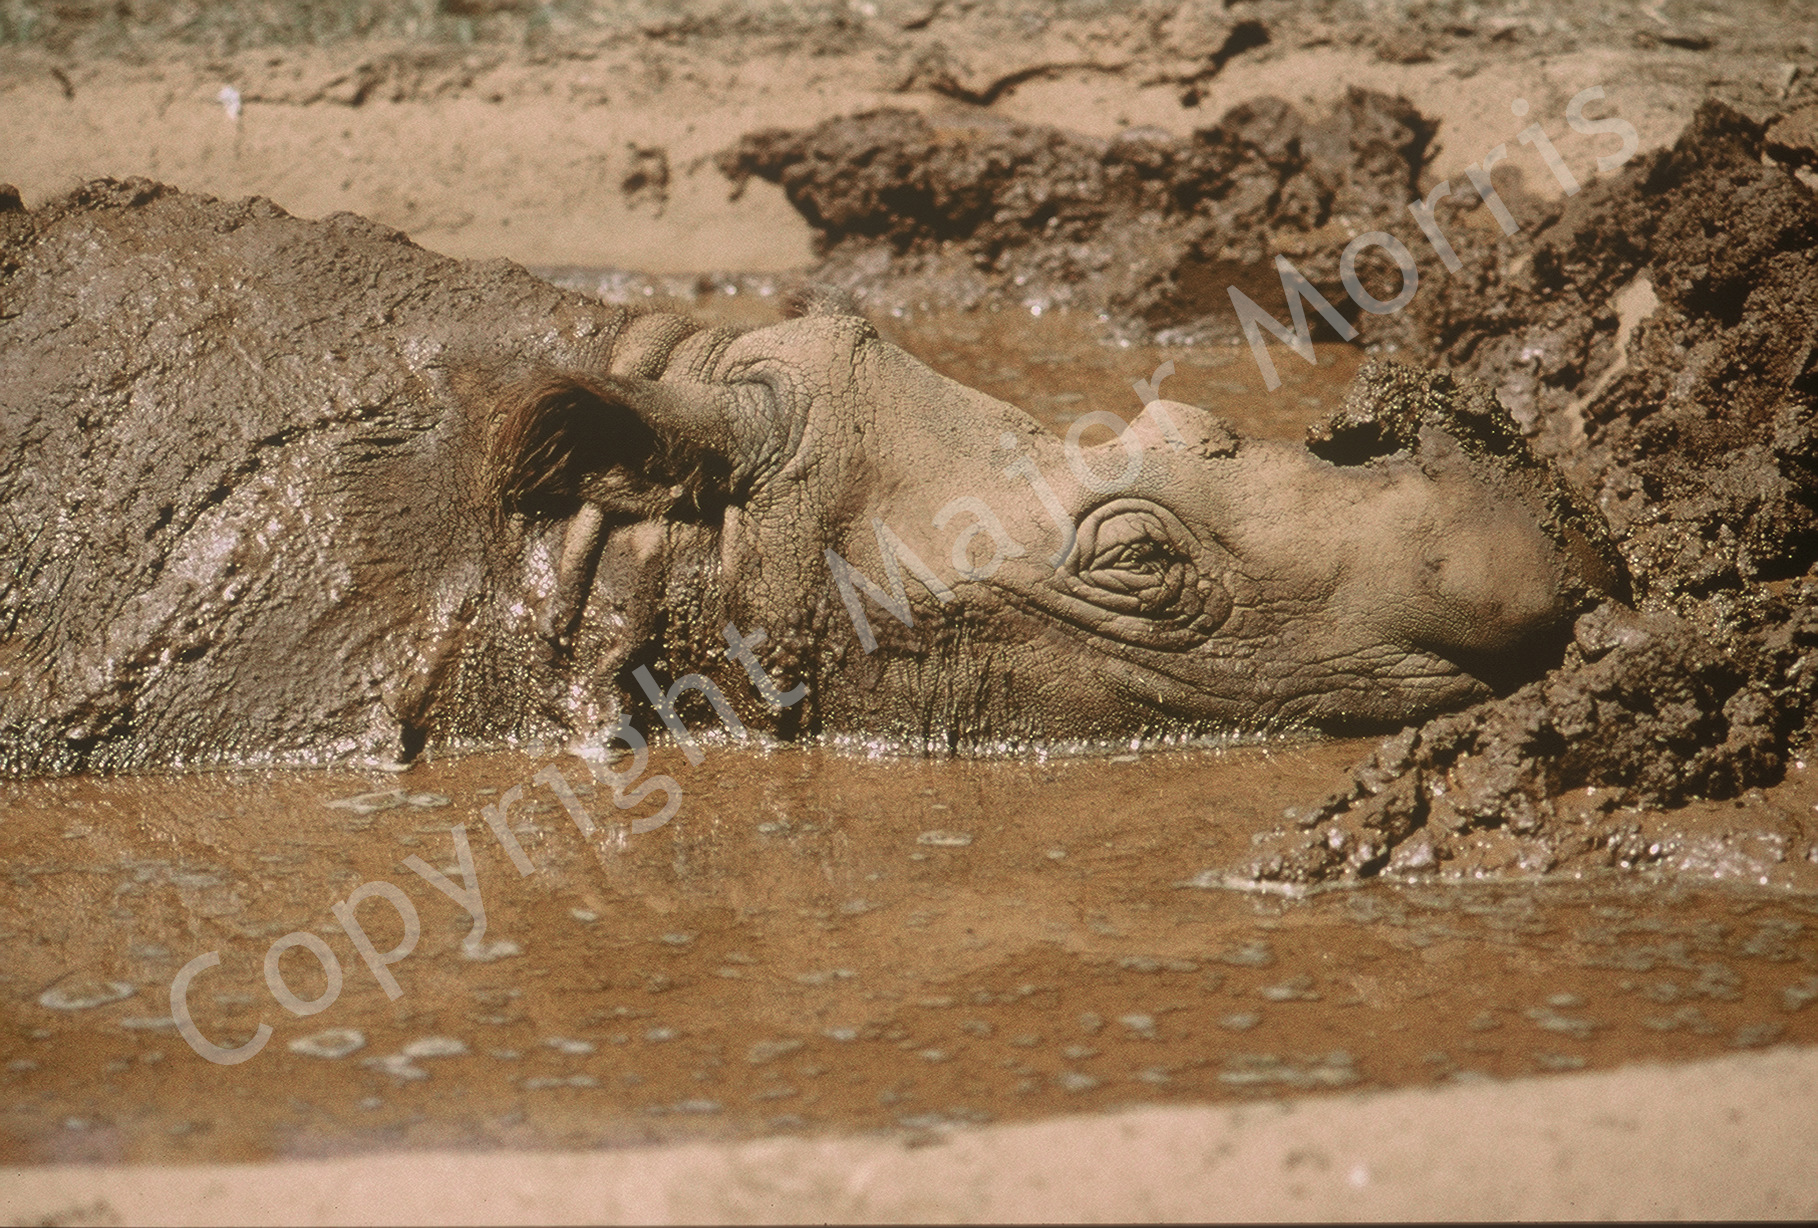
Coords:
pixel 927 565
pixel 275 490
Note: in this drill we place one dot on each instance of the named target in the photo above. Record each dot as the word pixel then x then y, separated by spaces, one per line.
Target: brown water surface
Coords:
pixel 818 941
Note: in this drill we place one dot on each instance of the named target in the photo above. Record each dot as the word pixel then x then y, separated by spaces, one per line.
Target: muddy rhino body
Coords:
pixel 277 490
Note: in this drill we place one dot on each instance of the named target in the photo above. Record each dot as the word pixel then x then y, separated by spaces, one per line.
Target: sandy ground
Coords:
pixel 596 149
pixel 599 151
pixel 1731 1138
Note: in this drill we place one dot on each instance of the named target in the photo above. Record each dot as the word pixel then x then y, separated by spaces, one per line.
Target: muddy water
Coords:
pixel 817 941
pixel 820 940
pixel 1056 365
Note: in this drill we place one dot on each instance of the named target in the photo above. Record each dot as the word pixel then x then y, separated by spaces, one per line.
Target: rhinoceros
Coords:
pixel 286 490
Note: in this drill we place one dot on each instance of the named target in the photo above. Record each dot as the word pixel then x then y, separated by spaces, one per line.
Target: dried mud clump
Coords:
pixel 1145 225
pixel 1658 337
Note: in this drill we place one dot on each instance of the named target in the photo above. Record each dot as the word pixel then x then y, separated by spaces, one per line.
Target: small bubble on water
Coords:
pixel 1300 989
pixel 823 976
pixel 1254 954
pixel 537 1082
pixel 398 1066
pixel 84 995
pixel 436 1046
pixel 945 839
pixel 487 952
pixel 333 1043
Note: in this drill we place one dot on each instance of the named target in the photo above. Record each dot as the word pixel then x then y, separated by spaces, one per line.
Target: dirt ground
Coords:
pixel 711 156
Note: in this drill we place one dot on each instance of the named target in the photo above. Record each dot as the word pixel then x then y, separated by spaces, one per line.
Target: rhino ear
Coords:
pixel 590 450
pixel 631 448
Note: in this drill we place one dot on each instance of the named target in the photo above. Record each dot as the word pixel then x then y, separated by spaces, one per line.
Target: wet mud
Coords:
pixel 1652 335
pixel 818 942
pixel 1656 337
pixel 1146 225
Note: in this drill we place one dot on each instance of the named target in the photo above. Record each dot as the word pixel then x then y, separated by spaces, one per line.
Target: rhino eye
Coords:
pixel 1146 578
pixel 1136 568
pixel 1135 559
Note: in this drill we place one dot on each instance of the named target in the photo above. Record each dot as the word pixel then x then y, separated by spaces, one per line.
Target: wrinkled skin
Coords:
pixel 288 490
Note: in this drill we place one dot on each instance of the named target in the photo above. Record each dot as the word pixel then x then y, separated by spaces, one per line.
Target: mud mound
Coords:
pixel 1144 225
pixel 1659 338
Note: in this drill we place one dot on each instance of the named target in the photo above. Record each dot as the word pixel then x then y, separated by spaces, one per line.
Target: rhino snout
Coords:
pixel 1482 578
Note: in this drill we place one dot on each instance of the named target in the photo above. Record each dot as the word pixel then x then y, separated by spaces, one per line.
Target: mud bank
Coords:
pixel 571 133
pixel 1652 334
pixel 1614 1146
pixel 1656 337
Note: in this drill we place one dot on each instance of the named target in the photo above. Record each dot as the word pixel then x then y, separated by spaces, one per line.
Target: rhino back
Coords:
pixel 236 476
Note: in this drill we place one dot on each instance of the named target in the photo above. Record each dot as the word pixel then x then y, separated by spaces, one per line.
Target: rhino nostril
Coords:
pixel 1355 444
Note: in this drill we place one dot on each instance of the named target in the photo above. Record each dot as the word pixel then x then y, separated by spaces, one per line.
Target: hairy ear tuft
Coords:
pixel 560 439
